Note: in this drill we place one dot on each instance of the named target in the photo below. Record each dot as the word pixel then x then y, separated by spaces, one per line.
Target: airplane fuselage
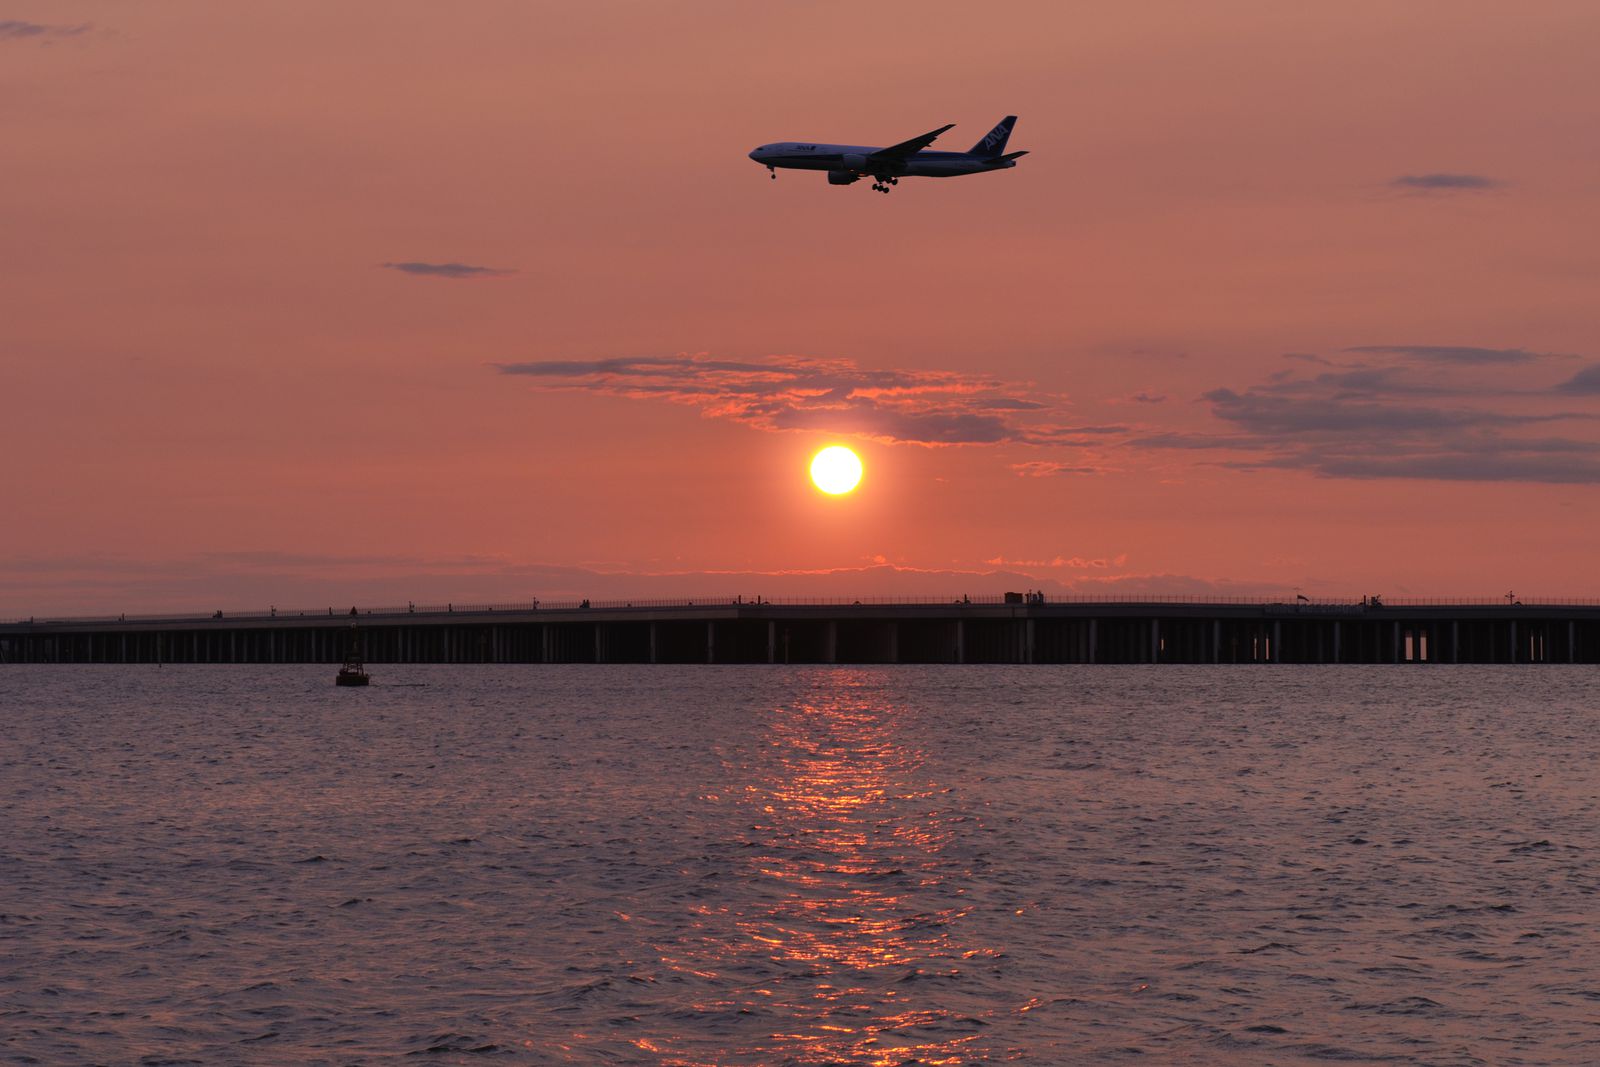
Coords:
pixel 806 155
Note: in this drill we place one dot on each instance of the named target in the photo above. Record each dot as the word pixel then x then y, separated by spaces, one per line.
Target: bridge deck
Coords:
pixel 743 632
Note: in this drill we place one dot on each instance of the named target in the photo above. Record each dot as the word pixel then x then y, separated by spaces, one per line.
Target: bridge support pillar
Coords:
pixel 830 643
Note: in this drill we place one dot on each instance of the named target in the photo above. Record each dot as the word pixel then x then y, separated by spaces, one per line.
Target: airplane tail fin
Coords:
pixel 995 142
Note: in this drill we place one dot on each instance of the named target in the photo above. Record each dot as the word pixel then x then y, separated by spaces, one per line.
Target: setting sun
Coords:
pixel 836 470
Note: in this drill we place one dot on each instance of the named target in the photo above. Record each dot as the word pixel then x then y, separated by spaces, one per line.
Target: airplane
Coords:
pixel 847 163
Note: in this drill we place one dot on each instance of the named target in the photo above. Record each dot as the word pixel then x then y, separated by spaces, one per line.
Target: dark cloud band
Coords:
pixel 1452 353
pixel 448 270
pixel 1444 413
pixel 1435 183
pixel 18 30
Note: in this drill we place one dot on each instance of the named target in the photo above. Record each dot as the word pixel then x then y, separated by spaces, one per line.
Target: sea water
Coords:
pixel 817 865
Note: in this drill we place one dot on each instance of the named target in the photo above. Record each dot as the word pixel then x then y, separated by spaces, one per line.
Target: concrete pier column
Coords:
pixel 1572 642
pixel 599 644
pixel 546 640
pixel 1155 640
pixel 961 641
pixel 1027 640
pixel 772 641
pixel 1455 642
pixel 653 646
pixel 1094 639
pixel 830 643
pixel 711 641
pixel 1216 640
pixel 1276 651
pixel 1394 645
pixel 894 640
pixel 1513 641
pixel 1338 643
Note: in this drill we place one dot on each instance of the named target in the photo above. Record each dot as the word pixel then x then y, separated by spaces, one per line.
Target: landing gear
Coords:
pixel 882 184
pixel 774 172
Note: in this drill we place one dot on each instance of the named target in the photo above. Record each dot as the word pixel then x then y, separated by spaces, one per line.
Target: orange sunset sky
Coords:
pixel 307 303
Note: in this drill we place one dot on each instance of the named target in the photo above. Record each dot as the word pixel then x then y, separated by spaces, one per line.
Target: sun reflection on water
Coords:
pixel 847 944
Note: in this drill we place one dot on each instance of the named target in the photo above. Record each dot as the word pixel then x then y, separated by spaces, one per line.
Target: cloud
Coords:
pixel 1190 441
pixel 1448 413
pixel 1039 468
pixel 784 393
pixel 1071 435
pixel 1464 354
pixel 1077 563
pixel 1267 412
pixel 889 424
pixel 18 30
pixel 1366 381
pixel 1148 398
pixel 448 270
pixel 1443 182
pixel 1501 465
pixel 1585 383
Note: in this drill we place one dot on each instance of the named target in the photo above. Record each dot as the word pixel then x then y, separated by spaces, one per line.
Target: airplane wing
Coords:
pixel 906 149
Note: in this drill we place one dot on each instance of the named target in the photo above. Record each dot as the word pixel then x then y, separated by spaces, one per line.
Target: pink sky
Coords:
pixel 1286 297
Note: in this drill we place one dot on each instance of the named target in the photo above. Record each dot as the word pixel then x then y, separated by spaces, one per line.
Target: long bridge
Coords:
pixel 1014 628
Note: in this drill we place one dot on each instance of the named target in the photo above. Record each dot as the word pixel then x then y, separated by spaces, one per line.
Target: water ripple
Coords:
pixel 728 866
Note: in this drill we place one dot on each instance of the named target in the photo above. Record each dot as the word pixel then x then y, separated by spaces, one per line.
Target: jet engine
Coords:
pixel 842 177
pixel 855 162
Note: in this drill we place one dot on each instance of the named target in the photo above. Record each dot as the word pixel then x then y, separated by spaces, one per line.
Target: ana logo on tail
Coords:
pixel 995 142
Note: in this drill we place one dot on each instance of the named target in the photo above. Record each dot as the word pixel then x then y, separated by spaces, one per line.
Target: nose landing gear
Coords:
pixel 773 171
